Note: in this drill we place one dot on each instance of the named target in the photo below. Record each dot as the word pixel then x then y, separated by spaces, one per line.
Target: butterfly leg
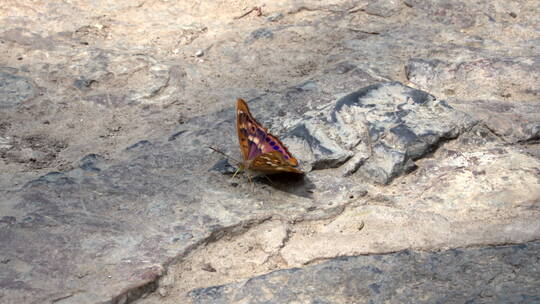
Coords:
pixel 251 182
pixel 268 178
pixel 236 172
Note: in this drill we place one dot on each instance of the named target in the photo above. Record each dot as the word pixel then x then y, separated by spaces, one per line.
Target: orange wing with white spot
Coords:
pixel 272 162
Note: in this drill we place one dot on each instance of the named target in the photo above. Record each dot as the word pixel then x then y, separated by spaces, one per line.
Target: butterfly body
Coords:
pixel 262 152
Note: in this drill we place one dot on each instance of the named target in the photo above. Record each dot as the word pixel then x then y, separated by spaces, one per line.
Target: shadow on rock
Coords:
pixel 296 184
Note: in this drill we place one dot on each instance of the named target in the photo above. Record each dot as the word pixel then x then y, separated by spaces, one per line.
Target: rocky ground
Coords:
pixel 417 124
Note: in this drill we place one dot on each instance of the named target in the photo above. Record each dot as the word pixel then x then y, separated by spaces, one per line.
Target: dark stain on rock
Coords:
pixel 139 145
pixel 176 135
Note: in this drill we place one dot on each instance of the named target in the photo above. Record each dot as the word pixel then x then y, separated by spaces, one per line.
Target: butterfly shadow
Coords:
pixel 292 183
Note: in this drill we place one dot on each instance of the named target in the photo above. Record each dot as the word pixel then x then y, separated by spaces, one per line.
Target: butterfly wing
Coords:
pixel 254 139
pixel 272 162
pixel 244 126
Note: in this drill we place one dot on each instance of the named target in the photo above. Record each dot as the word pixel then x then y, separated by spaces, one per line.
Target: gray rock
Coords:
pixel 95 80
pixel 91 162
pixel 14 90
pixel 94 70
pixel 456 13
pixel 84 84
pixel 514 122
pixel 503 274
pixel 377 131
pixel 103 212
pixel 383 8
pixel 139 145
pixel 259 34
pixel 274 17
pixel 479 78
pixel 5 143
pixel 224 167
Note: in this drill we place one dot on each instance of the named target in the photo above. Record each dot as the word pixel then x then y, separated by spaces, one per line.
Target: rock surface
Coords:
pixel 378 130
pixel 505 274
pixel 417 124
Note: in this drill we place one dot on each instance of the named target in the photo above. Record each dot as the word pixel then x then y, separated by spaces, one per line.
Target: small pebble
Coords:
pixel 163 291
pixel 199 53
pixel 274 17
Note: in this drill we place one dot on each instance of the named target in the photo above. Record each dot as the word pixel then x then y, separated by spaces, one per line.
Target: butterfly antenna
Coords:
pixel 225 154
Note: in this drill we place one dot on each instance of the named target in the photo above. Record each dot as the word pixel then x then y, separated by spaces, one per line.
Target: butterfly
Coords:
pixel 262 152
